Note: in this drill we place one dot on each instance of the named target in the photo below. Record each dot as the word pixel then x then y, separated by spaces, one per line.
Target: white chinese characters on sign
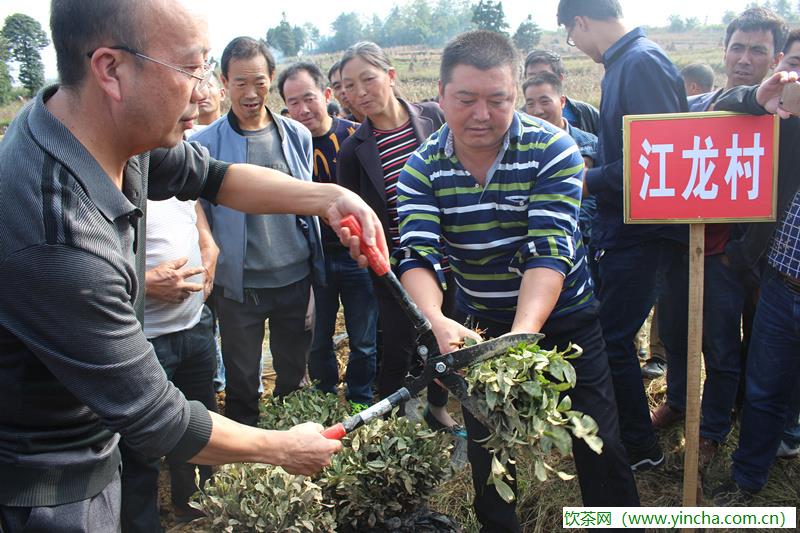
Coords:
pixel 662 150
pixel 703 168
pixel 736 169
pixel 742 163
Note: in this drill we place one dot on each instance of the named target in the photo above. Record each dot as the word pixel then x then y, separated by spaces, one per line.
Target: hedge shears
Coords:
pixel 441 368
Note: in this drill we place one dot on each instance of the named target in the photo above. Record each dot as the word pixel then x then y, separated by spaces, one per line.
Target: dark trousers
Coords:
pixel 189 360
pixel 98 513
pixel 632 279
pixel 606 479
pixel 345 281
pixel 398 343
pixel 723 300
pixel 241 326
pixel 773 371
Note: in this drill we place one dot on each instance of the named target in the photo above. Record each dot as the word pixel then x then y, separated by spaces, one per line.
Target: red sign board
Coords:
pixel 700 167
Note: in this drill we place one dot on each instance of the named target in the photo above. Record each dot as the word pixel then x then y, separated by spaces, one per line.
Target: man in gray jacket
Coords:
pixel 76 166
pixel 266 262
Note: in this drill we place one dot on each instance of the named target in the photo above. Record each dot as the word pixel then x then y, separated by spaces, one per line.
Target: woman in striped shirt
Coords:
pixel 369 163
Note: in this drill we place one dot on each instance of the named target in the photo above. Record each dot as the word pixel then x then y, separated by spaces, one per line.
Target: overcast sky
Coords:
pixel 231 18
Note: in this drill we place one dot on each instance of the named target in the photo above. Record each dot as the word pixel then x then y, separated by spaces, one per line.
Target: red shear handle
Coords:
pixel 377 261
pixel 336 432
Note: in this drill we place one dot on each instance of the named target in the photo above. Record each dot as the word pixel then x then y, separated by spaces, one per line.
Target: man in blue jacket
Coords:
pixel 266 262
pixel 637 263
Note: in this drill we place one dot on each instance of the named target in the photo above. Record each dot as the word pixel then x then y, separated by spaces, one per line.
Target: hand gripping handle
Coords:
pixel 377 262
pixel 336 432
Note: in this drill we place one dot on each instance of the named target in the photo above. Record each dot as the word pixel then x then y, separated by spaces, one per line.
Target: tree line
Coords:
pixel 420 22
pixel 433 22
pixel 417 23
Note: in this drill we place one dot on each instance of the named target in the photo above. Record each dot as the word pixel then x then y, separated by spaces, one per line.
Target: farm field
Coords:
pixel 540 503
pixel 418 68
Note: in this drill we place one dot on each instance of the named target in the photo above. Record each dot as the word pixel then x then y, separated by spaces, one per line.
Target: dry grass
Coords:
pixel 418 67
pixel 7 114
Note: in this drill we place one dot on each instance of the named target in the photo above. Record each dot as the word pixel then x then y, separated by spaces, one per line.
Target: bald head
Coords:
pixel 79 27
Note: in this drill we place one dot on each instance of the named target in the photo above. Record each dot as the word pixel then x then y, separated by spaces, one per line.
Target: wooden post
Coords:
pixel 693 352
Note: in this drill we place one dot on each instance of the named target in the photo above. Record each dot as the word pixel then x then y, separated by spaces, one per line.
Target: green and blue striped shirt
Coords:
pixel 524 217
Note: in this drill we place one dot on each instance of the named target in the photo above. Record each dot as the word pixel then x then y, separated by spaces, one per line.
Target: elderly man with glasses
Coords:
pixel 76 168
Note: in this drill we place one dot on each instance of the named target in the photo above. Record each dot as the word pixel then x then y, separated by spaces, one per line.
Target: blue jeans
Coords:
pixel 723 301
pixel 791 430
pixel 631 280
pixel 773 370
pixel 352 284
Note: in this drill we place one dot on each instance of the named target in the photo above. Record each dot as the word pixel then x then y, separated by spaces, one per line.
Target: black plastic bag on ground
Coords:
pixel 422 521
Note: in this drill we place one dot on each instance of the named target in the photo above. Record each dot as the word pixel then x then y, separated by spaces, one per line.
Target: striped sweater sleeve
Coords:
pixel 553 206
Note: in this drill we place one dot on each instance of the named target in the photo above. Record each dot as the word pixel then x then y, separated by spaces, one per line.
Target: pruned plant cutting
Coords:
pixel 521 395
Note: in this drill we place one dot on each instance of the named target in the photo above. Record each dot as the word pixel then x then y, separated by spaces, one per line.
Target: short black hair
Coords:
pixel 792 38
pixel 246 48
pixel 481 49
pixel 80 26
pixel 335 68
pixel 552 59
pixel 296 68
pixel 759 19
pixel 593 9
pixel 699 73
pixel 544 78
pixel 333 109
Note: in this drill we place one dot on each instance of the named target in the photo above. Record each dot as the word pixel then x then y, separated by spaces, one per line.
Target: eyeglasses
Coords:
pixel 570 42
pixel 202 80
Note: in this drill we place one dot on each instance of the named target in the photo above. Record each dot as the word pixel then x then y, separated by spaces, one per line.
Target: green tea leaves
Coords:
pixel 521 395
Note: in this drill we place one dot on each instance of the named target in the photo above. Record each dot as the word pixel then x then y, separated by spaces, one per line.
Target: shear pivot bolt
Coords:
pixel 440 368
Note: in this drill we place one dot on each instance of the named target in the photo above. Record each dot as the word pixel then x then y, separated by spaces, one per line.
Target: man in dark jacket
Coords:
pixel 636 263
pixel 306 94
pixel 753 42
pixel 773 365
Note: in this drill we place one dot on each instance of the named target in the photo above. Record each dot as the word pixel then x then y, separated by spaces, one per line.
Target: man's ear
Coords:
pixel 563 101
pixel 327 94
pixel 776 60
pixel 108 70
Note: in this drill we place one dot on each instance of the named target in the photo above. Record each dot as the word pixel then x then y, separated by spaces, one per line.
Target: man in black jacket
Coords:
pixel 773 365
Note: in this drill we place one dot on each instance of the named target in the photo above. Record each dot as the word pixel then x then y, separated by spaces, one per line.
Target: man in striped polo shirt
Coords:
pixel 504 190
